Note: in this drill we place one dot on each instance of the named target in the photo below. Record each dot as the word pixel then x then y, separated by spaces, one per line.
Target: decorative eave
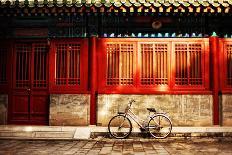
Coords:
pixel 116 3
pixel 166 6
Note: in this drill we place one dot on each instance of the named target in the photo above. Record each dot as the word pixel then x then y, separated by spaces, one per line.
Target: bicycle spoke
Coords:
pixel 120 126
pixel 160 126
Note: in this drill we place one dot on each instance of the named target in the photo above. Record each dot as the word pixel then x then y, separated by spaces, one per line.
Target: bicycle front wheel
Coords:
pixel 120 127
pixel 160 126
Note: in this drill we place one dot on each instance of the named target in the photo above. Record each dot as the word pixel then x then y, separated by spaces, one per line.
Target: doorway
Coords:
pixel 29 100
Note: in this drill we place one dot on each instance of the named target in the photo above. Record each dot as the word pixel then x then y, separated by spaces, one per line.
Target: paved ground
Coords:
pixel 108 146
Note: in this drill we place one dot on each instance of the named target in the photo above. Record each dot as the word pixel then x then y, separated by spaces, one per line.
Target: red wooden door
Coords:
pixel 29 101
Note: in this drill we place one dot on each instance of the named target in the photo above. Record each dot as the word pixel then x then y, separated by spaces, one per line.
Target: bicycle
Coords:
pixel 157 124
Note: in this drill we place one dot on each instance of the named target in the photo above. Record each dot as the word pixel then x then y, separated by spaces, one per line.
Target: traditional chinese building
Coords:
pixel 78 62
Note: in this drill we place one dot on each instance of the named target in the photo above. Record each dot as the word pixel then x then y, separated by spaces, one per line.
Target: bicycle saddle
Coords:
pixel 151 109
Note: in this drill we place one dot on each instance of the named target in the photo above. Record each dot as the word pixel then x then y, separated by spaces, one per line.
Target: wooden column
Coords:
pixel 93 79
pixel 214 70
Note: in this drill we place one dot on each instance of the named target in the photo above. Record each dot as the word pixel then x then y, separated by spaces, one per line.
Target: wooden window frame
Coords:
pixel 137 87
pixel 225 88
pixel 83 86
pixel 154 87
pixel 42 83
pixel 204 62
pixel 123 56
pixel 102 68
pixel 32 82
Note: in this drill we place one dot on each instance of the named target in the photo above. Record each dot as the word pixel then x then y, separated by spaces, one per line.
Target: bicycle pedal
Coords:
pixel 142 129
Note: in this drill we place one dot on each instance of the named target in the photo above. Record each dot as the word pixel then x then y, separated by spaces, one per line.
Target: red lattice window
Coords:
pixel 3 65
pixel 31 65
pixel 40 65
pixel 67 64
pixel 23 63
pixel 120 64
pixel 229 65
pixel 226 66
pixel 188 64
pixel 154 64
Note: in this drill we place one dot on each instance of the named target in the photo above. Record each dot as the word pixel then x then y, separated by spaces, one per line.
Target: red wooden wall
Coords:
pixel 147 66
pixel 115 65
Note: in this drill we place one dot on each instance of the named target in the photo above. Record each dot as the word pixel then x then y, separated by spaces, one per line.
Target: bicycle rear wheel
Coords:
pixel 160 126
pixel 120 127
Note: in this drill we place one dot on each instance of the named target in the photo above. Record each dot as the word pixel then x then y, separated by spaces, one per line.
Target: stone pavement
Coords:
pixel 85 132
pixel 106 146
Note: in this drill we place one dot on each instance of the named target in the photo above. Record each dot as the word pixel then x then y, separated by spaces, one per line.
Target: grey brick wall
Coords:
pixel 227 110
pixel 184 110
pixel 3 108
pixel 69 109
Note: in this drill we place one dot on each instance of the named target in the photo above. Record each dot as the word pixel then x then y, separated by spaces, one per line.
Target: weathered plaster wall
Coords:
pixel 3 108
pixel 227 110
pixel 69 109
pixel 184 110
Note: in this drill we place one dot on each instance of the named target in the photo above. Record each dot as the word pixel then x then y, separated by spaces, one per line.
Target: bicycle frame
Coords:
pixel 157 124
pixel 134 117
pixel 131 115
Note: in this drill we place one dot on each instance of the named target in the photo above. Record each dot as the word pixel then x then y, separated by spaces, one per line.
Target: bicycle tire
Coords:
pixel 119 127
pixel 160 126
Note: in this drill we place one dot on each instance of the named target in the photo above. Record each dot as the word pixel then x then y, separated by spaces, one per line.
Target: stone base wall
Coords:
pixel 3 108
pixel 69 109
pixel 184 110
pixel 227 110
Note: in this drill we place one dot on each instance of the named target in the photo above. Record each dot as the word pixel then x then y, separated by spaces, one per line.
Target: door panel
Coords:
pixel 20 108
pixel 29 103
pixel 39 107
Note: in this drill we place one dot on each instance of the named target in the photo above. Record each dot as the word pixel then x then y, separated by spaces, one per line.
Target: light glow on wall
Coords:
pixel 28 129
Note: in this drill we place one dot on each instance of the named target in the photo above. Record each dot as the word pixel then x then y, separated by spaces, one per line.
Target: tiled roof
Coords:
pixel 115 3
pixel 30 7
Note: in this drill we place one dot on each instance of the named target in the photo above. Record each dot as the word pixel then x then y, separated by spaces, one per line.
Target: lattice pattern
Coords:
pixel 23 62
pixel 40 66
pixel 188 64
pixel 120 64
pixel 195 70
pixel 229 65
pixel 126 62
pixel 161 64
pixel 154 67
pixel 147 69
pixel 113 51
pixel 68 64
pixel 3 65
